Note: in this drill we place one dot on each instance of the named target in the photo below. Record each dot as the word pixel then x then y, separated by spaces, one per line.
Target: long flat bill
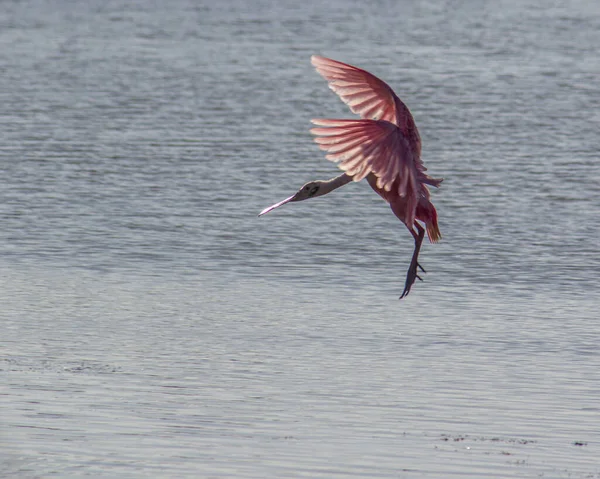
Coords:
pixel 276 205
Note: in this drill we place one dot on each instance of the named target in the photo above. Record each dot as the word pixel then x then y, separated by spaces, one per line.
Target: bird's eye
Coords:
pixel 314 190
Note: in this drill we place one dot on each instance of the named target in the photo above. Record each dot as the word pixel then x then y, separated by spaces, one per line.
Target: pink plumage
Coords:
pixel 386 143
pixel 384 147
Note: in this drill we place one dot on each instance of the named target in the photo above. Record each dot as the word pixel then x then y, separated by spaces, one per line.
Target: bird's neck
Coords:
pixel 334 184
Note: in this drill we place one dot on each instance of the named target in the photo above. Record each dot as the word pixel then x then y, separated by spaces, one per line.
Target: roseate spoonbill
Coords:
pixel 384 147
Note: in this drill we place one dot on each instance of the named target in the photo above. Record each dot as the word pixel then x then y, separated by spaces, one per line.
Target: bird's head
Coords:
pixel 309 190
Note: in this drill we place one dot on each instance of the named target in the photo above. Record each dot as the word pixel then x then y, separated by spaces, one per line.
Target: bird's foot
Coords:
pixel 411 276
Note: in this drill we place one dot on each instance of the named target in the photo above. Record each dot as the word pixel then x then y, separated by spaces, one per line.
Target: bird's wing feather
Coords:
pixel 361 147
pixel 368 96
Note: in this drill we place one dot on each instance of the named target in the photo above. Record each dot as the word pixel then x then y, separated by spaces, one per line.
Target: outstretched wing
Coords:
pixel 368 96
pixel 361 147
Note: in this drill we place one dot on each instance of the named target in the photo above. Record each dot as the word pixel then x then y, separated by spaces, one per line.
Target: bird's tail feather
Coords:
pixel 433 230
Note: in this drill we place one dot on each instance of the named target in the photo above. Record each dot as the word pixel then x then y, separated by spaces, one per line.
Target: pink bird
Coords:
pixel 384 147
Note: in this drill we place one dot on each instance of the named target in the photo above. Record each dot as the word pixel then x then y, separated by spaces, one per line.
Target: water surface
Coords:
pixel 153 326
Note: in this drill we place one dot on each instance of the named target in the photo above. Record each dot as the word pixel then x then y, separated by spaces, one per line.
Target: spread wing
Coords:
pixel 369 97
pixel 361 147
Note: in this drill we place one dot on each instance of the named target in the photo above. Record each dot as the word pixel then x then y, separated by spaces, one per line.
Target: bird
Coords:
pixel 383 147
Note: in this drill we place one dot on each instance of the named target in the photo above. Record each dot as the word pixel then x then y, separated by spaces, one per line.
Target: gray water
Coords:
pixel 153 326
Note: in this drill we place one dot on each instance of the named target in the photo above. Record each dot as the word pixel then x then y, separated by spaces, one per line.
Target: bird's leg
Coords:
pixel 412 273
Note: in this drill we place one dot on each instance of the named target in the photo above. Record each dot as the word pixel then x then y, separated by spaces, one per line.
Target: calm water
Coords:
pixel 153 326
